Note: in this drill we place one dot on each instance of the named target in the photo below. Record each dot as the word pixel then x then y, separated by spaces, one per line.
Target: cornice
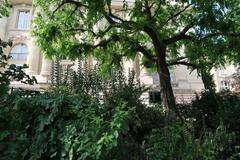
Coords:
pixel 16 2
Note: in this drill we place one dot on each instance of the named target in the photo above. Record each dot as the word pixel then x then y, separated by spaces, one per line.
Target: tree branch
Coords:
pixel 182 35
pixel 116 20
pixel 183 63
pixel 106 42
pixel 158 44
pixel 177 14
pixel 75 9
pixel 77 3
pixel 178 38
pixel 156 11
pixel 148 9
pixel 102 33
pixel 144 52
pixel 178 59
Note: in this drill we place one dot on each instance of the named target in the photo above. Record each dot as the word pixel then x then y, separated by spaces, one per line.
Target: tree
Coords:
pixel 156 29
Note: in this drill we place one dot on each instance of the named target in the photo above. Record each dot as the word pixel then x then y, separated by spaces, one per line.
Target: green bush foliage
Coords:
pixel 176 142
pixel 71 124
pixel 88 117
pixel 212 109
pixel 74 122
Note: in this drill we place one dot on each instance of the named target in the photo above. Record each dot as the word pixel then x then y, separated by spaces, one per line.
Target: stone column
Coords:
pixel 33 59
pixel 90 62
pixel 3 24
pixel 46 67
pixel 137 67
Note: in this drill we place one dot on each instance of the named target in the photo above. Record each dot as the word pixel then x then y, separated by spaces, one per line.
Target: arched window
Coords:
pixel 19 52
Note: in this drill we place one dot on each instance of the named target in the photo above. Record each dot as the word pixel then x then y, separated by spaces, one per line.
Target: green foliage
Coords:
pixel 8 119
pixel 87 117
pixel 208 30
pixel 4 8
pixel 73 122
pixel 68 124
pixel 177 142
pixel 212 109
pixel 56 72
pixel 157 29
pixel 11 72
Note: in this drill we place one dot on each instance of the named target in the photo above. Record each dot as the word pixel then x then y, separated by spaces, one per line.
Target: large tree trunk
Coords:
pixel 208 81
pixel 166 91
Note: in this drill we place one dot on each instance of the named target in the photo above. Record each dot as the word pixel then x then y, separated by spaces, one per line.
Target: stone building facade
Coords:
pixel 17 28
pixel 223 78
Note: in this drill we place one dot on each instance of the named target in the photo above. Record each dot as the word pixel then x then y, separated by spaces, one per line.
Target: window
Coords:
pixel 154 97
pixel 225 85
pixel 172 77
pixel 19 52
pixel 23 20
pixel 222 71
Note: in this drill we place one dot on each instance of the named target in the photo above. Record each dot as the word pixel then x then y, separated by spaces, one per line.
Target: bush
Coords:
pixel 177 142
pixel 212 109
pixel 73 121
pixel 73 124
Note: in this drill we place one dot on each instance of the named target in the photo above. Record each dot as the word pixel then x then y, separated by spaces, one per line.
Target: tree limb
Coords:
pixel 178 38
pixel 158 44
pixel 144 52
pixel 106 42
pixel 182 35
pixel 183 63
pixel 177 14
pixel 156 11
pixel 77 3
pixel 148 9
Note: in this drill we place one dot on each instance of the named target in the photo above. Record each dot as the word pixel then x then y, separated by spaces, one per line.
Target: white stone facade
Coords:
pixel 222 77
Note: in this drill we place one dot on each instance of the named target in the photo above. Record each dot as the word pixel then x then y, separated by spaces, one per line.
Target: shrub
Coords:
pixel 176 142
pixel 72 121
pixel 212 109
pixel 72 124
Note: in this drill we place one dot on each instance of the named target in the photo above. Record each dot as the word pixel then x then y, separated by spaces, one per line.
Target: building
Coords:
pixel 223 77
pixel 17 28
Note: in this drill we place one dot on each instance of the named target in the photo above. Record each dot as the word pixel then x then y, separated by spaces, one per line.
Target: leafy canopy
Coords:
pixel 209 30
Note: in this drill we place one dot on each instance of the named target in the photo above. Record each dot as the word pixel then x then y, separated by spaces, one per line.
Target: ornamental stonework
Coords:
pixel 20 38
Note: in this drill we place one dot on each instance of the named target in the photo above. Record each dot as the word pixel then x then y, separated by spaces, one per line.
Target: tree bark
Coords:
pixel 166 91
pixel 208 82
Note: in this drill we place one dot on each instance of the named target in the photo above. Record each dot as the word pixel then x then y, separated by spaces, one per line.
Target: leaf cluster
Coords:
pixel 4 8
pixel 11 72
